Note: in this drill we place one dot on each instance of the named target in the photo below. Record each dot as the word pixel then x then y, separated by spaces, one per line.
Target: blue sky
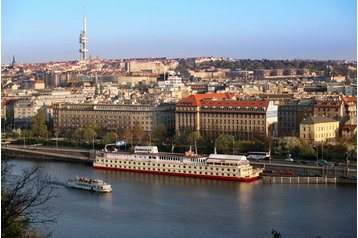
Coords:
pixel 48 30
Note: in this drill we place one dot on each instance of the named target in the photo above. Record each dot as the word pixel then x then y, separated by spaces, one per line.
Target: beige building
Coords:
pixel 113 116
pixel 319 128
pixel 216 113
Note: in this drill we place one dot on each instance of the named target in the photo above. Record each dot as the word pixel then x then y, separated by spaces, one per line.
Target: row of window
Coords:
pixel 164 165
pixel 224 115
pixel 170 170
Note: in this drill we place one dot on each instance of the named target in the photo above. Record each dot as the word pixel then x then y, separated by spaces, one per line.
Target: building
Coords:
pixel 349 131
pixel 332 108
pixel 291 113
pixel 350 104
pixel 216 113
pixel 319 128
pixel 22 110
pixel 115 117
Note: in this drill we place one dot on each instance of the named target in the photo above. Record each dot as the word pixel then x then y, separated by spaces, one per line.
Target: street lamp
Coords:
pixel 316 155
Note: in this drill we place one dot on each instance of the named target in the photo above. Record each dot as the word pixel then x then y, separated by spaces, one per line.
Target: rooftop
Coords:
pixel 317 119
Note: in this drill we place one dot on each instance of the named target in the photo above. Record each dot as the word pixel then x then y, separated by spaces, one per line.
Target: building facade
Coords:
pixel 291 113
pixel 213 114
pixel 115 117
pixel 332 108
pixel 22 110
pixel 319 129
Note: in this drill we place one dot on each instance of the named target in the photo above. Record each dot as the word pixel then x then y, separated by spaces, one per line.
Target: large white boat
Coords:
pixel 147 159
pixel 89 184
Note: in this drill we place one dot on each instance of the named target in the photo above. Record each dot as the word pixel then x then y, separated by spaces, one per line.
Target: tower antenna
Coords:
pixel 83 37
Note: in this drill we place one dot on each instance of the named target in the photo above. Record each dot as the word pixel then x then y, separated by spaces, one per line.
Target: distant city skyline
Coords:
pixel 42 31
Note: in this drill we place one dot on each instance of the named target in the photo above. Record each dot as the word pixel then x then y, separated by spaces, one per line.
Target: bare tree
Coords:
pixel 24 201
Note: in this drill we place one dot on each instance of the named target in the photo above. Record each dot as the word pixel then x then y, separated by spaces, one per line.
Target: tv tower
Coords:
pixel 83 39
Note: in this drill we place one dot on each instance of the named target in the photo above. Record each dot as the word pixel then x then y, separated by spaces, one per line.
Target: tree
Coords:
pixel 68 135
pixel 276 234
pixel 127 134
pixel 88 135
pixel 159 133
pixel 110 137
pixel 24 201
pixel 39 127
pixel 77 135
pixel 138 131
pixel 224 144
pixel 94 126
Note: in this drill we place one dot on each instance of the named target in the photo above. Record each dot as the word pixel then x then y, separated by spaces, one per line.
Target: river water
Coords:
pixel 145 205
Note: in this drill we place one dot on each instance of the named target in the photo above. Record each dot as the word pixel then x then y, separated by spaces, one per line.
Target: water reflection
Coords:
pixel 143 205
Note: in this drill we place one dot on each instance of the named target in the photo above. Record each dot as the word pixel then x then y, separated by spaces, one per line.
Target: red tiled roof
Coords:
pixel 328 103
pixel 349 100
pixel 349 127
pixel 195 100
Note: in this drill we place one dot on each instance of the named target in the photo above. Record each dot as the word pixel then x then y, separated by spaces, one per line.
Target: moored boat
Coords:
pixel 96 185
pixel 147 159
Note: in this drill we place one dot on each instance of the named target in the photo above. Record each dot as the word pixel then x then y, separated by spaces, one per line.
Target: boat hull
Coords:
pixel 243 179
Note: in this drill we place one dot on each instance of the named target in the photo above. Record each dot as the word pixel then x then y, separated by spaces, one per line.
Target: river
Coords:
pixel 145 205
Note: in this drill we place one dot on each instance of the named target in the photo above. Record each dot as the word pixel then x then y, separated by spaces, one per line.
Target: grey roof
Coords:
pixel 317 119
pixel 306 102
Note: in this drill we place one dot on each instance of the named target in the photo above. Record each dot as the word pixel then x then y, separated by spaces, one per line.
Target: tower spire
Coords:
pixel 13 61
pixel 83 37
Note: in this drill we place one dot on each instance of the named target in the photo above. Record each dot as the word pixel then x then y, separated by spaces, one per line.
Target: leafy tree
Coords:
pixel 88 135
pixel 94 126
pixel 77 135
pixel 27 133
pixel 110 137
pixel 24 201
pixel 68 135
pixel 224 144
pixel 39 127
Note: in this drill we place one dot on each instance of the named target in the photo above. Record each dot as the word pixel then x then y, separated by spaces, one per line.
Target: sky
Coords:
pixel 48 30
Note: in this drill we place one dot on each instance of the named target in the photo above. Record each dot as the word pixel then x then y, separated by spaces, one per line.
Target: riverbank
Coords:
pixel 45 154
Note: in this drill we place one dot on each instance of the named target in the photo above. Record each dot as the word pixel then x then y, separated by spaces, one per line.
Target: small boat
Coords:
pixel 95 185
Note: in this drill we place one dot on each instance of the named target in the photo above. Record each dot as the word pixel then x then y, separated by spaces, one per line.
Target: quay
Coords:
pixel 46 153
pixel 298 180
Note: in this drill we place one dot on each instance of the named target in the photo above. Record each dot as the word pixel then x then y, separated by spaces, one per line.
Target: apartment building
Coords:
pixel 319 128
pixel 350 104
pixel 216 113
pixel 113 116
pixel 25 108
pixel 291 113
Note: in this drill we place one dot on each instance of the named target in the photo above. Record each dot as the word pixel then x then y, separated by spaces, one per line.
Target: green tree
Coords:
pixel 224 144
pixel 39 127
pixel 94 126
pixel 68 135
pixel 77 135
pixel 88 135
pixel 110 137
